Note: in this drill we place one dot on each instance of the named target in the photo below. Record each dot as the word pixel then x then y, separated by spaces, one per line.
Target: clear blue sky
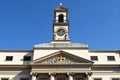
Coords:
pixel 93 22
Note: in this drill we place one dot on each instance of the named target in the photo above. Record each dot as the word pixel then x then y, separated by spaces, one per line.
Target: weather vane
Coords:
pixel 61 3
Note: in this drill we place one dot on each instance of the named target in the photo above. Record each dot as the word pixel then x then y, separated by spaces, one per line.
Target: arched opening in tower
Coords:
pixel 61 18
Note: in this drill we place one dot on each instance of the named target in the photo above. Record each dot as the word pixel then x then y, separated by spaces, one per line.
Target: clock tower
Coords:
pixel 61 25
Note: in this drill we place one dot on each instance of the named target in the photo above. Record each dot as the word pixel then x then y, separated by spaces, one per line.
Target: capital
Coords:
pixel 70 73
pixel 52 74
pixel 33 73
pixel 88 73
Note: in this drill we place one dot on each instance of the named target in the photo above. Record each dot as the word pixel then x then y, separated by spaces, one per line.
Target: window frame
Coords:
pixel 94 58
pixel 27 58
pixel 111 58
pixel 9 58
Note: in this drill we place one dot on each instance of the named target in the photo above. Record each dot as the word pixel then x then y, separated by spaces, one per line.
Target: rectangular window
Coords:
pixel 9 58
pixel 94 58
pixel 27 58
pixel 42 78
pixel 4 78
pixel 79 79
pixel 97 79
pixel 24 79
pixel 60 78
pixel 115 78
pixel 111 58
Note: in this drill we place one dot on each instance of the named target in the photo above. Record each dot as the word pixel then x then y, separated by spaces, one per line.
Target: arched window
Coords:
pixel 61 18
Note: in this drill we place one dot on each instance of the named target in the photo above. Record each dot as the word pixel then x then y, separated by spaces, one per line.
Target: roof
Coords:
pixel 60 8
pixel 101 51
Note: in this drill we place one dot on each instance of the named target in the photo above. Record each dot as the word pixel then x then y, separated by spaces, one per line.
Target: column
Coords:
pixel 52 76
pixel 88 74
pixel 70 75
pixel 34 76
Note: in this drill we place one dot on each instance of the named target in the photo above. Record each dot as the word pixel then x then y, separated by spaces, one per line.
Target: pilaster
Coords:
pixel 52 76
pixel 89 74
pixel 34 76
pixel 70 75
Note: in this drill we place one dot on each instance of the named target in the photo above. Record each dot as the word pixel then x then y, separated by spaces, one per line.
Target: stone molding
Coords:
pixel 106 73
pixel 13 73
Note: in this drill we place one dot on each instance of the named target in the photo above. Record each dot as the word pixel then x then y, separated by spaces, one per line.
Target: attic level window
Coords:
pixel 61 18
pixel 9 58
pixel 27 58
pixel 94 58
pixel 111 58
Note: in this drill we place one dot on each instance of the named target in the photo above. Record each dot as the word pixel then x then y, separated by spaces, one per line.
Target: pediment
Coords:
pixel 61 57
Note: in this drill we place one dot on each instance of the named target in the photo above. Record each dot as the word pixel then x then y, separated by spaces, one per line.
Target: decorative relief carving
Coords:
pixel 59 59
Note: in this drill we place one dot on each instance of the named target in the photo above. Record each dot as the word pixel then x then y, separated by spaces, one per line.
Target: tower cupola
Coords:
pixel 61 25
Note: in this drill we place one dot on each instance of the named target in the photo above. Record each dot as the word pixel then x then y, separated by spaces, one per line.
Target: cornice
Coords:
pixel 106 65
pixel 16 50
pixel 61 24
pixel 47 48
pixel 61 46
pixel 101 51
pixel 14 66
pixel 76 64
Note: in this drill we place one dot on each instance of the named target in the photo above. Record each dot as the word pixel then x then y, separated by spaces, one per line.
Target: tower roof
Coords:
pixel 61 8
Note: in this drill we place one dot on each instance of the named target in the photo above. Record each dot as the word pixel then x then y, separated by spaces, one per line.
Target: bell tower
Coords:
pixel 61 25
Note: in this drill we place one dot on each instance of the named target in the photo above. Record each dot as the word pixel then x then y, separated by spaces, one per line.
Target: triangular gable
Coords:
pixel 61 57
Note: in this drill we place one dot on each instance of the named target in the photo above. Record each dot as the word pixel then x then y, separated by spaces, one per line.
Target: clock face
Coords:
pixel 60 32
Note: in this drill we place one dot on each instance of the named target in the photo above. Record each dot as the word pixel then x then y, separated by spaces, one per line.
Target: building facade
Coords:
pixel 60 59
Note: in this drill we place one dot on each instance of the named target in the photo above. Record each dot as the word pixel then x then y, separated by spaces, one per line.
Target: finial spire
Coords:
pixel 61 4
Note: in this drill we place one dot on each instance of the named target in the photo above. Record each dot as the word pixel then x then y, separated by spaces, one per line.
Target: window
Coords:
pixel 4 78
pixel 79 79
pixel 24 79
pixel 27 58
pixel 115 78
pixel 60 78
pixel 42 78
pixel 97 79
pixel 9 58
pixel 111 58
pixel 95 58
